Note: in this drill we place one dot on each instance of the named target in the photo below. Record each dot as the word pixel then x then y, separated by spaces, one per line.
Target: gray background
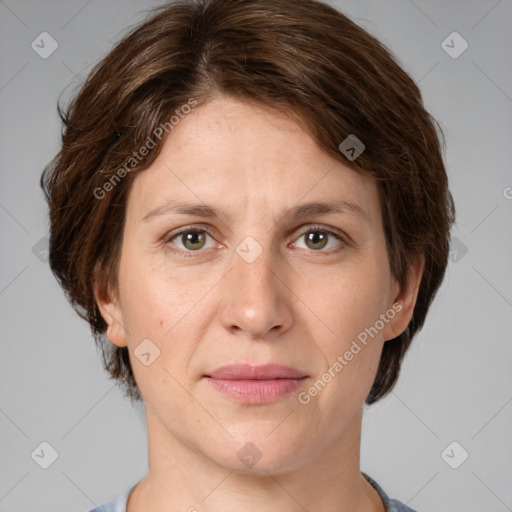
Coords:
pixel 456 383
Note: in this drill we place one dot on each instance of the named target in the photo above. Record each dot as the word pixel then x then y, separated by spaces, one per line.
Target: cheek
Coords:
pixel 347 300
pixel 161 307
pixel 152 299
pixel 348 304
pixel 144 301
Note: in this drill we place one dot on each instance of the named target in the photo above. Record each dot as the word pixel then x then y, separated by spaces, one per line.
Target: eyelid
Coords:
pixel 186 229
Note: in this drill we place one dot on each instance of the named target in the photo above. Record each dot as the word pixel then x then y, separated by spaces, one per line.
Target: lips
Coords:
pixel 249 372
pixel 256 384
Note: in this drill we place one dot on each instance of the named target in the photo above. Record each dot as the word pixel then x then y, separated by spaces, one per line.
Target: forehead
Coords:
pixel 234 155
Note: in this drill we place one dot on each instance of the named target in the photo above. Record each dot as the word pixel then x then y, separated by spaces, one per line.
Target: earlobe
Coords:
pixel 405 299
pixel 111 313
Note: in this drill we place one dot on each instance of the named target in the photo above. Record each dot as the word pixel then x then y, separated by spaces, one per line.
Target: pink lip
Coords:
pixel 262 372
pixel 256 384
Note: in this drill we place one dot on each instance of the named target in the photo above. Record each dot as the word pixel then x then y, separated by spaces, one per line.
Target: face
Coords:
pixel 263 280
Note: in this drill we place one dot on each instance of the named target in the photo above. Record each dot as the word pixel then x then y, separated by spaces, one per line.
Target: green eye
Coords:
pixel 317 238
pixel 191 239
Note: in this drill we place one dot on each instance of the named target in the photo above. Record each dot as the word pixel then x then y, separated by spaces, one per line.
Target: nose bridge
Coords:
pixel 254 265
pixel 255 298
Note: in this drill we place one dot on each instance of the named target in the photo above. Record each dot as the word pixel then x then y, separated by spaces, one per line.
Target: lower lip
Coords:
pixel 256 391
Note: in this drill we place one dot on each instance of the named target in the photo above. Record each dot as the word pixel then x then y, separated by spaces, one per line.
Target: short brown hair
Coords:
pixel 300 57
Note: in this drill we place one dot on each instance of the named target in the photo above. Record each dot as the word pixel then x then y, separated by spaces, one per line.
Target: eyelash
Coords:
pixel 190 254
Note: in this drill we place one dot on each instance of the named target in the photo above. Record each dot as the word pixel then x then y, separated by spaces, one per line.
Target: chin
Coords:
pixel 257 453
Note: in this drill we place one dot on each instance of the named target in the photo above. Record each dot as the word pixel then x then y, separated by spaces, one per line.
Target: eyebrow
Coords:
pixel 295 213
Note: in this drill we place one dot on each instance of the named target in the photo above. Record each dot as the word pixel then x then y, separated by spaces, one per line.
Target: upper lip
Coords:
pixel 261 372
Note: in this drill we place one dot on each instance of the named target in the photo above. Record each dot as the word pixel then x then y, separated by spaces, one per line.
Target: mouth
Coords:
pixel 256 384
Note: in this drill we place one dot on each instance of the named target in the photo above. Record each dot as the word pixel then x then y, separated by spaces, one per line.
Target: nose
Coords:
pixel 256 298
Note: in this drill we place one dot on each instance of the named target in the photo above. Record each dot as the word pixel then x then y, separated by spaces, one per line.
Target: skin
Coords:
pixel 299 303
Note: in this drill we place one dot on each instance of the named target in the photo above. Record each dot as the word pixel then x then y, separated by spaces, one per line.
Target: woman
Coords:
pixel 288 146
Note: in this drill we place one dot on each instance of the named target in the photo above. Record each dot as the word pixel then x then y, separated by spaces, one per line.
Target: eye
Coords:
pixel 192 240
pixel 318 237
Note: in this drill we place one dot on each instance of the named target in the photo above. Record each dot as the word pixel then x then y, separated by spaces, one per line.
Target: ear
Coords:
pixel 108 304
pixel 404 299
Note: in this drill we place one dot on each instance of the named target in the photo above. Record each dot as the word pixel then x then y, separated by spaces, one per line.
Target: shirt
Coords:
pixel 119 504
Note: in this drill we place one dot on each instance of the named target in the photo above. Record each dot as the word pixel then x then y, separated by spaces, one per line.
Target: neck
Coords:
pixel 182 478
